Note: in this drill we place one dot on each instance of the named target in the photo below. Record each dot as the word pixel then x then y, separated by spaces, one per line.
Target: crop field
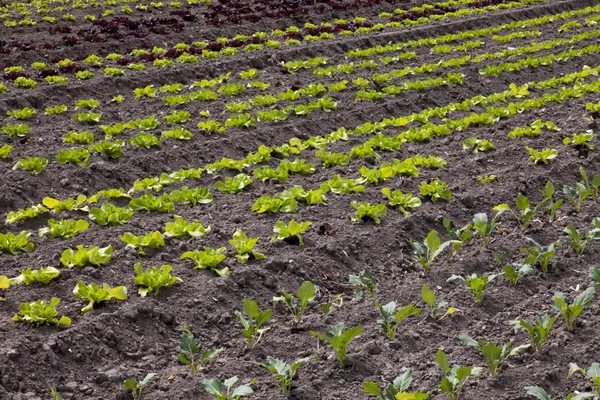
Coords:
pixel 314 199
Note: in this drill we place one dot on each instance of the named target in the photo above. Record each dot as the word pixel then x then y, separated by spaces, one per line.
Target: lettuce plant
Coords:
pixel 571 312
pixel 244 247
pixel 367 210
pixel 40 312
pixel 98 294
pixel 435 190
pixel 577 240
pixel 150 203
pixel 190 352
pixel 283 372
pixel 281 202
pixel 292 232
pixel 135 386
pixel 208 259
pixel 541 156
pixel 580 140
pixel 454 377
pixel 235 184
pixel 251 319
pixel 87 104
pixel 429 250
pixel 538 254
pixel 70 204
pixel 42 275
pixel 305 295
pixel 34 165
pixel 338 185
pixel 340 339
pixel 13 244
pixel 113 149
pixel 150 240
pixel 5 151
pixel 403 201
pixel 539 331
pixel 495 356
pixel 363 283
pixel 176 133
pixel 19 130
pixel 330 159
pixel 268 174
pixel 476 145
pixel 82 257
pixel 145 140
pixel 181 227
pixel 224 390
pixel 24 113
pixel 77 156
pixel 195 196
pixel 110 215
pixel 153 279
pixel 298 166
pixel 88 117
pixel 392 317
pixel 476 283
pixel 65 228
pixel 397 389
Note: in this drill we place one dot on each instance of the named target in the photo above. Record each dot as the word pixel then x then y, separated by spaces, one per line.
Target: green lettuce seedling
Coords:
pixel 4 284
pixel 281 202
pixel 110 215
pixel 396 390
pixel 13 244
pixel 153 279
pixel 244 247
pixel 34 165
pixel 363 283
pixel 592 373
pixel 476 283
pixel 42 275
pixel 392 317
pixel 96 294
pixel 83 257
pixel 252 319
pixel 539 331
pixel 136 387
pixel 338 185
pixel 150 203
pixel 578 241
pixel 22 113
pixel 428 296
pixel 291 232
pixel 65 228
pixel 476 145
pixel 39 312
pixel 541 156
pixel 190 352
pixel 429 250
pixel 571 312
pixel 495 356
pixel 235 184
pixel 366 211
pixel 69 204
pixel 113 149
pixel 150 240
pixel 403 201
pixel 340 339
pixel 77 156
pixel 191 196
pixel 19 130
pixel 145 141
pixel 54 394
pixel 435 190
pixel 538 254
pixel 223 390
pixel 181 227
pixel 454 377
pixel 306 294
pixel 580 140
pixel 208 259
pixel 5 151
pixel 283 372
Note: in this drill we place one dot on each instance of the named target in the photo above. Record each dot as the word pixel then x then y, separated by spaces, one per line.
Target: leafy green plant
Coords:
pixel 291 232
pixel 24 113
pixel 87 104
pixel 82 257
pixel 13 244
pixel 65 228
pixel 283 372
pixel 40 312
pixel 428 296
pixel 96 294
pixel 5 151
pixel 145 140
pixel 395 390
pixel 150 240
pixel 458 236
pixel 70 204
pixel 454 377
pixel 88 117
pixel 195 196
pixel 592 374
pixel 514 271
pixel 135 386
pixel 244 247
pixel 538 254
pixel 484 228
pixel 235 184
pixel 330 159
pixel 477 145
pixel 429 250
pixel 251 319
pixel 392 317
pixel 476 283
pixel 403 201
pixel 363 283
pixel 340 339
pixel 153 279
pixel 77 156
pixel 34 165
pixel 539 331
pixel 571 312
pixel 113 149
pixel 181 227
pixel 44 275
pixel 110 215
pixel 54 394
pixel 577 240
pixel 541 156
pixel 305 295
pixel 19 130
pixel 85 137
pixel 208 259
pixel 367 210
pixel 435 190
pixel 150 203
pixel 580 140
pixel 223 390
pixel 495 356
pixel 190 352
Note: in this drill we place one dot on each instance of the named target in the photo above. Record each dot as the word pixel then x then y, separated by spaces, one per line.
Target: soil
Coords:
pixel 120 340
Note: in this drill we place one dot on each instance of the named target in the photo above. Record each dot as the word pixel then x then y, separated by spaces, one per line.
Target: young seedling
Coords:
pixel 244 247
pixel 577 194
pixel 541 156
pixel 136 387
pixel 54 394
pixel 578 241
pixel 553 206
pixel 150 240
pixel 458 237
pixel 571 312
pixel 454 377
pixel 208 259
pixel 525 213
pixel 538 254
pixel 251 319
pixel 592 374
pixel 428 296
pixel 40 312
pixel 364 282
pixel 96 294
pixel 223 390
pixel 284 373
pixel 484 228
pixel 403 201
pixel 537 392
pixel 428 251
pixel 306 294
pixel 476 283
pixel 190 352
pixel 153 279
pixel 367 210
pixel 392 317
pixel 591 184
pixel 495 356
pixel 594 273
pixel 435 190
pixel 291 232
pixel 340 339
pixel 538 332
pixel 395 390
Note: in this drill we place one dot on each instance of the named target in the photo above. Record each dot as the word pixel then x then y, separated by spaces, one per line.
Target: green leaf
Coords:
pixel 441 359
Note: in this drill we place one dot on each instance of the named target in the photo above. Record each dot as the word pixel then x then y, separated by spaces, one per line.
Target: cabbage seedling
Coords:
pixel 592 374
pixel 476 283
pixel 244 247
pixel 96 294
pixel 223 390
pixel 340 339
pixel 454 377
pixel 392 317
pixel 539 331
pixel 484 228
pixel 251 319
pixel 189 350
pixel 538 254
pixel 578 241
pixel 306 294
pixel 495 356
pixel 429 250
pixel 571 312
pixel 153 279
pixel 363 283
pixel 458 236
pixel 514 272
pixel 283 372
pixel 428 296
pixel 395 390
pixel 136 387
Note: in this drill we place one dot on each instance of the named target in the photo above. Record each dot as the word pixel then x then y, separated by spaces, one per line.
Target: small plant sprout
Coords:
pixel 428 251
pixel 40 312
pixel 340 339
pixel 367 210
pixel 458 236
pixel 539 331
pixel 553 206
pixel 291 232
pixel 224 390
pixel 403 201
pixel 484 228
pixel 454 377
pixel 495 356
pixel 577 240
pixel 538 254
pixel 428 296
pixel 363 283
pixel 283 372
pixel 525 213
pixel 4 284
pixel 435 190
pixel 153 279
pixel 54 394
pixel 190 352
pixel 476 145
pixel 306 294
pixel 150 240
pixel 541 156
pixel 136 387
pixel 392 317
pixel 209 258
pixel 395 390
pixel 476 283
pixel 580 140
pixel 98 294
pixel 252 319
pixel 592 374
pixel 514 272
pixel 571 312
pixel 244 247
